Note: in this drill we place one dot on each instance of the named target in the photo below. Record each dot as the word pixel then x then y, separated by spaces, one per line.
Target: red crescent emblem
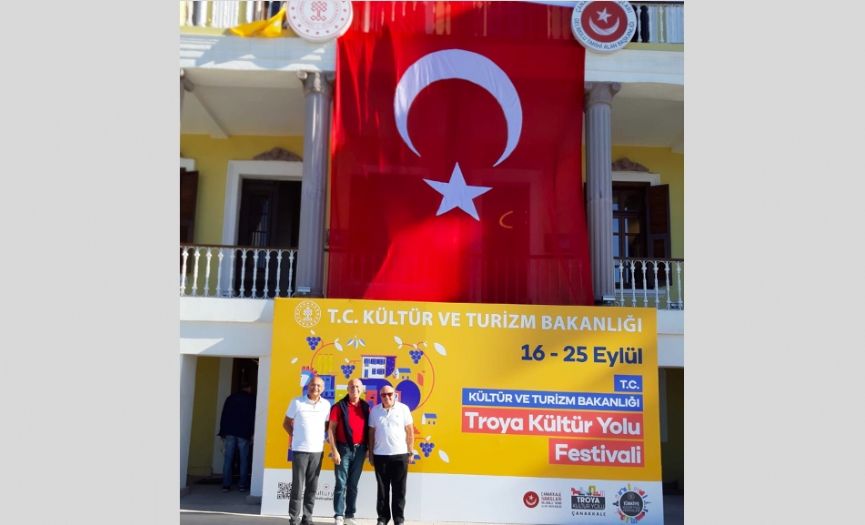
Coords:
pixel 603 27
pixel 604 21
pixel 531 499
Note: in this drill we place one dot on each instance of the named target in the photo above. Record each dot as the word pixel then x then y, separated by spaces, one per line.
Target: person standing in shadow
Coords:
pixel 236 428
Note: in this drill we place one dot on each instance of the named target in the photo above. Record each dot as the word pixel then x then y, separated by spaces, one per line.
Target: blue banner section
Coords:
pixel 545 399
pixel 625 383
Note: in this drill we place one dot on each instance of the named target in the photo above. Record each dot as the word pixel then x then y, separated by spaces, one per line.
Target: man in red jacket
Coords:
pixel 348 439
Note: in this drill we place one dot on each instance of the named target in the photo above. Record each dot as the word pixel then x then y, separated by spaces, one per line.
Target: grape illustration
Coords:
pixel 313 341
pixel 427 447
pixel 347 370
pixel 415 355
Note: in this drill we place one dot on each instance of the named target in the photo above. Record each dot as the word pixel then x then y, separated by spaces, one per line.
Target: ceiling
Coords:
pixel 225 103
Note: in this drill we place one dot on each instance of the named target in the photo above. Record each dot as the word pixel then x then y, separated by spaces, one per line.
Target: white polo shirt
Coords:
pixel 309 419
pixel 389 428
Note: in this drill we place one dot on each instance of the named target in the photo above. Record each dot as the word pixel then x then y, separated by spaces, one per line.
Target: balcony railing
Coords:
pixel 223 14
pixel 656 283
pixel 265 273
pixel 236 271
pixel 657 22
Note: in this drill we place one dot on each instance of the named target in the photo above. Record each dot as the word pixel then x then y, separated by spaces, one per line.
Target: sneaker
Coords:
pixel 338 520
pixel 379 522
pixel 225 489
pixel 350 521
pixel 244 489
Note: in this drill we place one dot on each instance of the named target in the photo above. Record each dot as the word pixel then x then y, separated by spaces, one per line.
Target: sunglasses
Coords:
pixel 387 394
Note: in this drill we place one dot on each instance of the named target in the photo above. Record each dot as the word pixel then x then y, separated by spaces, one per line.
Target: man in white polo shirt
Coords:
pixel 306 424
pixel 391 449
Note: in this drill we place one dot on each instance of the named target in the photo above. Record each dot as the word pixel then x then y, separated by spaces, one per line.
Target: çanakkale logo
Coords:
pixel 633 504
pixel 591 502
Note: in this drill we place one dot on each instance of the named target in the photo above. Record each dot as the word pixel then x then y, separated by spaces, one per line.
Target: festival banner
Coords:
pixel 522 413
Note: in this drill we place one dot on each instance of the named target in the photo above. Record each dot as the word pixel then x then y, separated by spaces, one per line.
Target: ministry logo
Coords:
pixel 591 502
pixel 633 504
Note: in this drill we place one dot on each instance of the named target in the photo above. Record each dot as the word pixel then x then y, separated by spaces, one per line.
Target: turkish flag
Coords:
pixel 456 171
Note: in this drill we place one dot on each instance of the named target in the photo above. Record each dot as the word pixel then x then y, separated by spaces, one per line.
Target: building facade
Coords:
pixel 255 115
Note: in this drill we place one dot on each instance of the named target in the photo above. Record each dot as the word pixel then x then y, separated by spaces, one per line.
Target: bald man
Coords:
pixel 391 442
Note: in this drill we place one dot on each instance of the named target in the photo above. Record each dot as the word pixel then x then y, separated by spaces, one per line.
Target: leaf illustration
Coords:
pixel 444 456
pixel 294 360
pixel 440 349
pixel 398 340
pixel 337 345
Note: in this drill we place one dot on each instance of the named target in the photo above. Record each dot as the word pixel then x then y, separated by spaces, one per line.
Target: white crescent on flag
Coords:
pixel 464 65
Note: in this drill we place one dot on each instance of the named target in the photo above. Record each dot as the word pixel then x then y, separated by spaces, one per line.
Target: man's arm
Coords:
pixel 409 441
pixel 409 435
pixel 288 425
pixel 334 453
pixel 371 433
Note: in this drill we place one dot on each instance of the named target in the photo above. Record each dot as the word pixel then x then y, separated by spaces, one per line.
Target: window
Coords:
pixel 641 229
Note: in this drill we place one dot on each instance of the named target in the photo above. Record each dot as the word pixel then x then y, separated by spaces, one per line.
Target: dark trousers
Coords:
pixel 391 473
pixel 305 468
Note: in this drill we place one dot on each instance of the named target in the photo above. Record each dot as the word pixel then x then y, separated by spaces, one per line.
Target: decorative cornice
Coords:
pixel 601 92
pixel 626 164
pixel 315 81
pixel 278 153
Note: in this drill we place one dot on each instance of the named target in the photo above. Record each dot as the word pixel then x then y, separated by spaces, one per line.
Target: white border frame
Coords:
pixel 249 169
pixel 189 164
pixel 654 179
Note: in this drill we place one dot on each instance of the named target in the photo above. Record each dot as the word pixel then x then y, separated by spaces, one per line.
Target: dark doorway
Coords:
pixel 243 371
pixel 269 219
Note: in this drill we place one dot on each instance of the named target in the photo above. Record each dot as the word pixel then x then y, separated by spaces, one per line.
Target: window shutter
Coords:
pixel 658 223
pixel 188 197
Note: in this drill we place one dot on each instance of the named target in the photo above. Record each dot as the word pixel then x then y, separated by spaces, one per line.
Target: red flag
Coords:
pixel 456 170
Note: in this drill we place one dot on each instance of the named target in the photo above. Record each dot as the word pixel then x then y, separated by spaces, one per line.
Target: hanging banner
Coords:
pixel 456 159
pixel 522 414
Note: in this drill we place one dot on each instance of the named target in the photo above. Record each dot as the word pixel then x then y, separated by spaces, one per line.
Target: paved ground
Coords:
pixel 208 505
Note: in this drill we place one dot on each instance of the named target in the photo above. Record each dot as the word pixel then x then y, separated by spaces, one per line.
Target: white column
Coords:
pixel 187 396
pixel 262 392
pixel 223 390
pixel 599 184
pixel 316 136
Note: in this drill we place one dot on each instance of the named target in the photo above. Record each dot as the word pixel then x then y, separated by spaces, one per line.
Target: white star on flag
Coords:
pixel 603 15
pixel 456 194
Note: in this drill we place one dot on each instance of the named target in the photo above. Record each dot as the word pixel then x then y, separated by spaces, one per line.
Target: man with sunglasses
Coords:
pixel 306 422
pixel 391 449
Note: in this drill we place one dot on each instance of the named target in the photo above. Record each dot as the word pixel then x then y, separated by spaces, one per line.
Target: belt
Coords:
pixel 347 445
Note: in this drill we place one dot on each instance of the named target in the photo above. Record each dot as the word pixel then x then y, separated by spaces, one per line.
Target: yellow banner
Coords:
pixel 507 390
pixel 269 28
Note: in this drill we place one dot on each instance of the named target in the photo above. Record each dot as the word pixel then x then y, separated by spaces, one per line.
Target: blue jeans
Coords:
pixel 347 475
pixel 232 442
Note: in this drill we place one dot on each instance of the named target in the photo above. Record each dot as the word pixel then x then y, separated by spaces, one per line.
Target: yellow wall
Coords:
pixel 204 416
pixel 211 160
